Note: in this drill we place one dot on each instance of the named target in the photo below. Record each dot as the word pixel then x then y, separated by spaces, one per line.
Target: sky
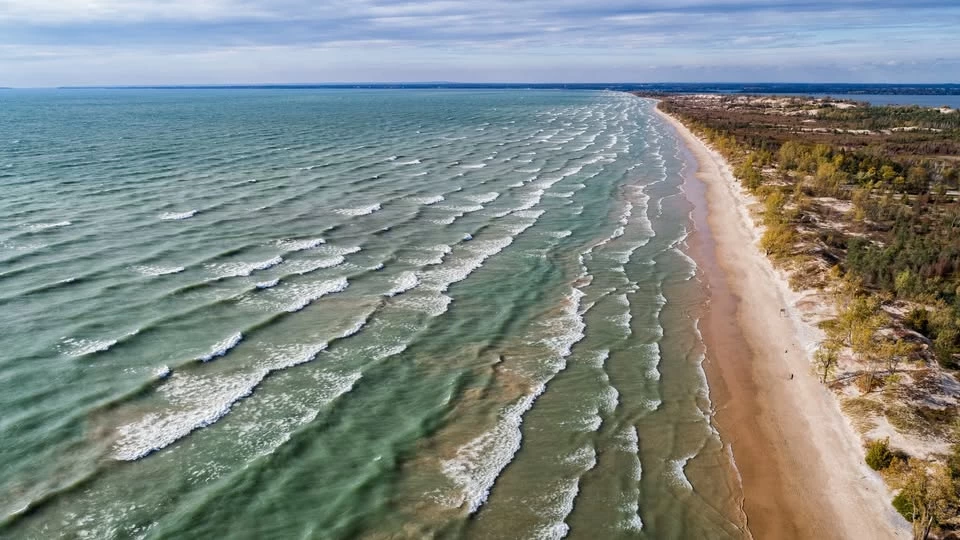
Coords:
pixel 157 42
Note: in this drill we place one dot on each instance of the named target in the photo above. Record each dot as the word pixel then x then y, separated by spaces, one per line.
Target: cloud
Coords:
pixel 506 38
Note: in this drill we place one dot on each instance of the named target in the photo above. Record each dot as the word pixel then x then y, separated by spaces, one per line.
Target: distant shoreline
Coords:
pixel 838 89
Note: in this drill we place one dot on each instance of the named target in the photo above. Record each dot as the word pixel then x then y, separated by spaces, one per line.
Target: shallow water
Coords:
pixel 341 314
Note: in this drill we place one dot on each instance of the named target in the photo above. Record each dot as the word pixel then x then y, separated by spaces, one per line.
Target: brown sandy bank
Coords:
pixel 801 462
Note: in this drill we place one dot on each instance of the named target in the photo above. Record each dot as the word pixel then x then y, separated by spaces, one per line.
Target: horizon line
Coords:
pixel 278 85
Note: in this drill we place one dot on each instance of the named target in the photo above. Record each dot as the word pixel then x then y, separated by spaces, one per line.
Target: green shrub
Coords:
pixel 953 461
pixel 879 455
pixel 903 506
pixel 918 320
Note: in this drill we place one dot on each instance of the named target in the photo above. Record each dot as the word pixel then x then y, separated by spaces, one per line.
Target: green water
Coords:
pixel 350 314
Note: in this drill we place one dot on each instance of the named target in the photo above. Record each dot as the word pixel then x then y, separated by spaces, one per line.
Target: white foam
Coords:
pixel 599 358
pixel 177 216
pixel 310 265
pixel 623 320
pixel 221 348
pixel 560 500
pixel 357 326
pixel 433 304
pixel 202 401
pixel 238 269
pixel 584 457
pixel 303 294
pixel 411 162
pixel 559 234
pixel 621 258
pixel 162 372
pixel 268 284
pixel 528 214
pixel 529 201
pixel 327 249
pixel 674 472
pixel 198 401
pixel 427 200
pixel 691 264
pixel 484 198
pixel 5 244
pixel 633 522
pixel 629 440
pixel 263 265
pixel 570 325
pixel 462 209
pixel 517 228
pixel 609 399
pixel 403 283
pixel 77 347
pixel 359 211
pixel 44 226
pixel 435 255
pixel 488 248
pixel 442 249
pixel 300 245
pixel 474 166
pixel 441 278
pixel 444 221
pixel 592 421
pixel 155 270
pixel 477 464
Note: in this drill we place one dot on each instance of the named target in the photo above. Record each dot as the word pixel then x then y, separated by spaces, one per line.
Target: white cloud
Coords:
pixel 326 40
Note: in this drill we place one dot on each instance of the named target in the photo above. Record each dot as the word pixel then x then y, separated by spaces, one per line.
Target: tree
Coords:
pixel 879 456
pixel 894 351
pixel 778 239
pixel 858 325
pixel 943 324
pixel 928 490
pixel 888 173
pixel 790 154
pixel 903 283
pixel 774 204
pixel 860 319
pixel 826 358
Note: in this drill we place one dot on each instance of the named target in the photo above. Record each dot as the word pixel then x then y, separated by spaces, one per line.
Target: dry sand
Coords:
pixel 800 460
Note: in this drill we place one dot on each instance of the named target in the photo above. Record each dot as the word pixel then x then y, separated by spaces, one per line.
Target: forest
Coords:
pixel 863 203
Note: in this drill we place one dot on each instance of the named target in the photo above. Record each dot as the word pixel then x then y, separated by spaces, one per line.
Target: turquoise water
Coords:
pixel 351 314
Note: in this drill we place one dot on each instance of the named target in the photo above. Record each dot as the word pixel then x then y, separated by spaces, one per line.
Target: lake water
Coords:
pixel 351 314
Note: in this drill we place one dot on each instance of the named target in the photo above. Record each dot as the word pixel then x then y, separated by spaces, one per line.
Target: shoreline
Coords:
pixel 800 461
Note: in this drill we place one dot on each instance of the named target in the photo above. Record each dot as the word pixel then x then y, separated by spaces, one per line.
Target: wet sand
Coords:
pixel 801 464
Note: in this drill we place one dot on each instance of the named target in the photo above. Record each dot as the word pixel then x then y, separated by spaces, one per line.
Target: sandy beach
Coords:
pixel 801 462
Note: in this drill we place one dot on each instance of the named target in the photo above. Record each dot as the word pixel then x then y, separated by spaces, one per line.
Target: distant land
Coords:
pixel 681 88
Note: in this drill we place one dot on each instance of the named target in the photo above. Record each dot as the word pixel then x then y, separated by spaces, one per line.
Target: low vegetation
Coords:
pixel 879 456
pixel 863 204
